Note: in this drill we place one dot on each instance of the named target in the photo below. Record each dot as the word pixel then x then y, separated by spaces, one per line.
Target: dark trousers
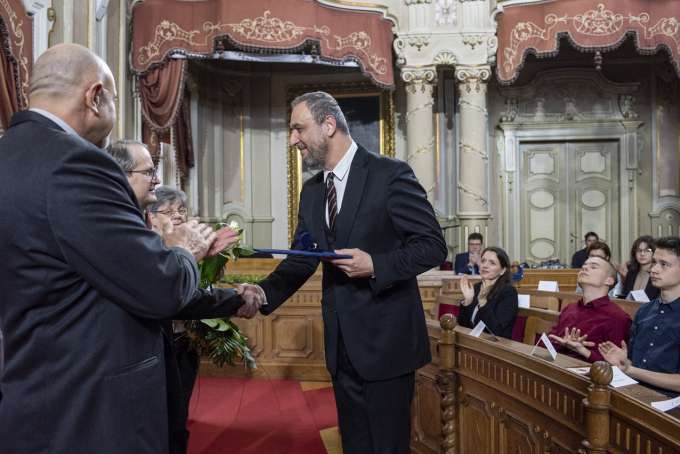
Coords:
pixel 374 416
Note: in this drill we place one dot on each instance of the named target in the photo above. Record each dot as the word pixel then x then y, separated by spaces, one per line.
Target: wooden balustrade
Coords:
pixel 491 396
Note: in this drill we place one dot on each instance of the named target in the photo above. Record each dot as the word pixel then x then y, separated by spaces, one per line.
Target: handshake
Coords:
pixel 254 298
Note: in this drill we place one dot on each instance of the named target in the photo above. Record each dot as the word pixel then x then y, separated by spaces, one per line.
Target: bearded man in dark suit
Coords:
pixel 84 282
pixel 373 209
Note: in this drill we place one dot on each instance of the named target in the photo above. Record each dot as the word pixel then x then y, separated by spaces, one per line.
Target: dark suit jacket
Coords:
pixel 386 214
pixel 461 264
pixel 579 258
pixel 498 314
pixel 84 283
pixel 628 283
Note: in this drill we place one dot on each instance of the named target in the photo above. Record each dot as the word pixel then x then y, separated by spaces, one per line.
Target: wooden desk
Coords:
pixel 566 278
pixel 483 396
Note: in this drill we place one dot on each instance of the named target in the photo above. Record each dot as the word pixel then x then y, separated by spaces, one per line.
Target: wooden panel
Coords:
pixel 565 278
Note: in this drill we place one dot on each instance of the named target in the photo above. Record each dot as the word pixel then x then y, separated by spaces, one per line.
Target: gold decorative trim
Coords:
pixel 594 22
pixel 339 90
pixel 265 29
pixel 18 41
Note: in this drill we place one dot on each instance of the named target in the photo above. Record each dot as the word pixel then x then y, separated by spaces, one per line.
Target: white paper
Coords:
pixel 639 295
pixel 620 379
pixel 477 330
pixel 579 370
pixel 524 301
pixel 549 345
pixel 548 286
pixel 666 405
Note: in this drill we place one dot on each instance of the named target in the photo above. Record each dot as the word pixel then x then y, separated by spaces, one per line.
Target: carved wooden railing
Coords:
pixel 483 395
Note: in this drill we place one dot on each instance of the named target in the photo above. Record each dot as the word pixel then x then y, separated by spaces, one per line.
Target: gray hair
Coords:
pixel 167 195
pixel 120 152
pixel 322 105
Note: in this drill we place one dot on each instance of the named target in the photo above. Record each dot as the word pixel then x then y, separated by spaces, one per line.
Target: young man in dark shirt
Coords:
pixel 580 256
pixel 594 318
pixel 653 353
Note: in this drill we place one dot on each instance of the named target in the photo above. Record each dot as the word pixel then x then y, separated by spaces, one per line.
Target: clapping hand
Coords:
pixel 614 355
pixel 254 298
pixel 573 340
pixel 224 238
pixel 192 236
pixel 467 289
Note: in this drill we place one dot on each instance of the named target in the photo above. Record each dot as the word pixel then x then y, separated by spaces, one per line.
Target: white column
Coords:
pixel 473 155
pixel 420 131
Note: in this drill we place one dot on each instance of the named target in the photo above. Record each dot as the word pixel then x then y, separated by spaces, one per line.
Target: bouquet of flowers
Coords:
pixel 219 338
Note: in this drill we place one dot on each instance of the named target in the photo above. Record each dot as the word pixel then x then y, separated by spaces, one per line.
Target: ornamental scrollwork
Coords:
pixel 472 78
pixel 418 41
pixel 445 12
pixel 598 22
pixel 473 40
pixel 445 57
pixel 266 29
pixel 17 39
pixel 419 76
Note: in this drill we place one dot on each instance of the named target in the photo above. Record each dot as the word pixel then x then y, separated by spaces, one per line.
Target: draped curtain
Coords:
pixel 9 101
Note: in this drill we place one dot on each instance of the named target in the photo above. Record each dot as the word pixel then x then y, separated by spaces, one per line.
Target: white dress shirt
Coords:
pixel 341 172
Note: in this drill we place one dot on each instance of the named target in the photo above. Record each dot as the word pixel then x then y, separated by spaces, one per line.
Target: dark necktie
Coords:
pixel 331 201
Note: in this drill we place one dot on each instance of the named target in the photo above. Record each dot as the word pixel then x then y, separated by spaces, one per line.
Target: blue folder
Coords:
pixel 329 255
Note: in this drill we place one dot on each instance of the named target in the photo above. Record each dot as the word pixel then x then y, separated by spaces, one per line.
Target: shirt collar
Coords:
pixel 597 302
pixel 342 168
pixel 61 123
pixel 673 305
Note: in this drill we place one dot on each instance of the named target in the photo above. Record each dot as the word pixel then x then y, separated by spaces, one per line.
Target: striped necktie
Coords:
pixel 331 201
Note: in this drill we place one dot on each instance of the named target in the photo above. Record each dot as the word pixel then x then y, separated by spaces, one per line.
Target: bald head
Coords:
pixel 62 69
pixel 73 83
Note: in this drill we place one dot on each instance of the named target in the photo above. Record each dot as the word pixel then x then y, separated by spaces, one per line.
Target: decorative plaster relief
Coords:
pixel 445 12
pixel 419 75
pixel 399 46
pixel 473 40
pixel 445 57
pixel 417 2
pixel 472 78
pixel 542 249
pixel 419 41
pixel 570 95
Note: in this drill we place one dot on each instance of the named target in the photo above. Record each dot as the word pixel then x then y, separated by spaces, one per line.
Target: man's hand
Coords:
pixel 192 236
pixel 614 355
pixel 467 290
pixel 254 298
pixel 360 265
pixel 573 340
pixel 225 237
pixel 474 259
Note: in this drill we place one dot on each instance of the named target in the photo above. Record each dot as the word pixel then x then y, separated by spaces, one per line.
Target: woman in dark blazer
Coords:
pixel 494 299
pixel 639 265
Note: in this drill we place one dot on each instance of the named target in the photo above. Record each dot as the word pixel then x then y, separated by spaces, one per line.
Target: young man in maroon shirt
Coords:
pixel 594 318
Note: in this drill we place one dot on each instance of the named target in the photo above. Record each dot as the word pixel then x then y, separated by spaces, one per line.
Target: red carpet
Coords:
pixel 258 416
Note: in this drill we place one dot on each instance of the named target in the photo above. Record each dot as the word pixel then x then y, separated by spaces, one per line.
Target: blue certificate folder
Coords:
pixel 318 254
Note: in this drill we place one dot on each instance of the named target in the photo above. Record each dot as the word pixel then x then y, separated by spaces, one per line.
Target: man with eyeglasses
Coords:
pixel 652 355
pixel 84 282
pixel 165 209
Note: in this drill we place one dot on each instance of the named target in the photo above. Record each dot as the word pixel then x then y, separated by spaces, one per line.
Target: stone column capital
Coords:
pixel 472 77
pixel 420 75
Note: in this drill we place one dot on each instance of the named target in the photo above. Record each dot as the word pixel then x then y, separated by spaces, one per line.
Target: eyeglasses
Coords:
pixel 181 212
pixel 149 173
pixel 644 251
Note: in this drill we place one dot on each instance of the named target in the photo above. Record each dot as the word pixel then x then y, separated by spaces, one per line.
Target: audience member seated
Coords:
pixel 653 354
pixel 594 318
pixel 468 262
pixel 494 299
pixel 637 269
pixel 580 256
pixel 601 249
